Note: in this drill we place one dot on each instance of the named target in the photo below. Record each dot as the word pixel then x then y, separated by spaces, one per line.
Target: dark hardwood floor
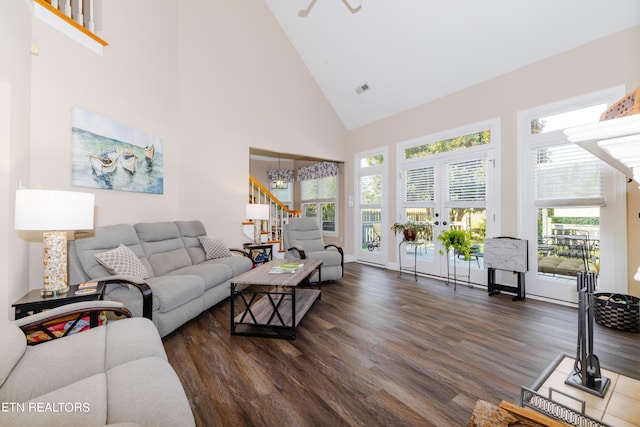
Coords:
pixel 377 350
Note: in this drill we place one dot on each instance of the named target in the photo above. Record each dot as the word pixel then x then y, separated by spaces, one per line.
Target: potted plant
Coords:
pixel 458 240
pixel 410 229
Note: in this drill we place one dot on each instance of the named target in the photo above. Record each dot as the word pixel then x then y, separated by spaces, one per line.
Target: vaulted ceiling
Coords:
pixel 410 52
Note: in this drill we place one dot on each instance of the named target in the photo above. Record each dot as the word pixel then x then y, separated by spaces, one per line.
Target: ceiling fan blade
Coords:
pixel 352 9
pixel 306 11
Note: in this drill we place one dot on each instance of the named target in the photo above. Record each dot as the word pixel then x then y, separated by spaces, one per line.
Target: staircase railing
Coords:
pixel 279 213
pixel 79 14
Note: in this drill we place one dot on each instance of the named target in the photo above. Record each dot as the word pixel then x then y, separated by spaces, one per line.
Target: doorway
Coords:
pixel 447 183
pixel 370 234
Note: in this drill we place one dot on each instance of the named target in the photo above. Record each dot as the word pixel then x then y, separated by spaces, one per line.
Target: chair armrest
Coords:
pixel 70 314
pixel 136 282
pixel 339 249
pixel 297 250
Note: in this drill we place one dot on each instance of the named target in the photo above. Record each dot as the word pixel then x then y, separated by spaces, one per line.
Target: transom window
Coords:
pixel 460 142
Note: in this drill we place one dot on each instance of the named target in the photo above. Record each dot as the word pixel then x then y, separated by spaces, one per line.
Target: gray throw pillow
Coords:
pixel 214 247
pixel 121 261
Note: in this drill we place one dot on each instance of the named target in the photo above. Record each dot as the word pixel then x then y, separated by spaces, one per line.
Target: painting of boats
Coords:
pixel 149 151
pixel 129 161
pixel 104 163
pixel 106 155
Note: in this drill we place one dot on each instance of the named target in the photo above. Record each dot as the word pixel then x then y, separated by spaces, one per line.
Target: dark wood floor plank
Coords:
pixel 379 350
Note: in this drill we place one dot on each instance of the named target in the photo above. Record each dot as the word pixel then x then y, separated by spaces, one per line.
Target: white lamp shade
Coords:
pixel 257 211
pixel 53 210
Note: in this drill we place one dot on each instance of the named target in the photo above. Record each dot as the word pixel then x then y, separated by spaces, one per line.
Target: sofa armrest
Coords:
pixel 240 251
pixel 139 284
pixel 244 253
pixel 70 315
pixel 297 251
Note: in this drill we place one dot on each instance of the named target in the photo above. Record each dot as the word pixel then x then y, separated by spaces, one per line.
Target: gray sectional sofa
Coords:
pixel 180 281
pixel 116 374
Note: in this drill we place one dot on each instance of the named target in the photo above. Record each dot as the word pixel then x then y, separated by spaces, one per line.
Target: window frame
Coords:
pixel 612 215
pixel 319 202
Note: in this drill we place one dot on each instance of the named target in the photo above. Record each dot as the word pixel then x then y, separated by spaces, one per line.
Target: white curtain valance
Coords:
pixel 317 171
pixel 286 175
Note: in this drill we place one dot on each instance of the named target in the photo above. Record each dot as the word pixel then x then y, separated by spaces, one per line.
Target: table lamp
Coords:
pixel 257 212
pixel 54 212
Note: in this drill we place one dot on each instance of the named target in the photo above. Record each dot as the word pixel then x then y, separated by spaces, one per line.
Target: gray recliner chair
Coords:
pixel 303 239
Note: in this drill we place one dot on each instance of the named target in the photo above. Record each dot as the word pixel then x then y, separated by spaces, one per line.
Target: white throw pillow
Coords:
pixel 121 261
pixel 214 247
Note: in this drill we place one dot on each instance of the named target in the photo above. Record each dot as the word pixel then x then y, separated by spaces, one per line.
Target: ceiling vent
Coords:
pixel 362 88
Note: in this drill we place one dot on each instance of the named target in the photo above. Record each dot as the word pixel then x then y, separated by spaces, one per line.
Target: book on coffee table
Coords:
pixel 285 268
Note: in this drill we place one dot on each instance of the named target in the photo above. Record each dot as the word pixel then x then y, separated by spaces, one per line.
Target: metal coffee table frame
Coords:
pixel 272 305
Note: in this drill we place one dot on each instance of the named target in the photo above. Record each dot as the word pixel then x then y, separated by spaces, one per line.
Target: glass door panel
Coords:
pixel 369 233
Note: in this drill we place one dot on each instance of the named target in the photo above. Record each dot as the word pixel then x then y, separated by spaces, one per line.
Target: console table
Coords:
pixel 255 250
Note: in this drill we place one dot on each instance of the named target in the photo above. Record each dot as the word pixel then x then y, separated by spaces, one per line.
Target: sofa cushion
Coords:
pixel 238 264
pixel 12 347
pixel 214 247
pixel 189 232
pixel 133 339
pixel 163 246
pixel 172 291
pixel 159 396
pixel 329 258
pixel 23 384
pixel 211 274
pixel 104 239
pixel 122 261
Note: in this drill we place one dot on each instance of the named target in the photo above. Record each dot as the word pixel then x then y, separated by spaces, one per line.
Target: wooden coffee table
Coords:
pixel 272 305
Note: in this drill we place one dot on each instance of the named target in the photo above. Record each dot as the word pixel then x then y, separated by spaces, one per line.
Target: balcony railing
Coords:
pixel 79 14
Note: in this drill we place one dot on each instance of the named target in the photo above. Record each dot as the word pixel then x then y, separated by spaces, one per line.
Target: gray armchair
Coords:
pixel 303 239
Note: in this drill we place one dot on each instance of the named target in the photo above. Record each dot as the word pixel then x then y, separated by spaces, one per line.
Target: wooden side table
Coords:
pixel 33 302
pixel 256 249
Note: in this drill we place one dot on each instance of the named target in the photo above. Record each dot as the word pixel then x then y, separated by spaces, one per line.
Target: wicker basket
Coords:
pixel 617 311
pixel 627 106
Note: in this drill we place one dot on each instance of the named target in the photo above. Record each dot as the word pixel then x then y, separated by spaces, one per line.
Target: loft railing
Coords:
pixel 279 213
pixel 78 13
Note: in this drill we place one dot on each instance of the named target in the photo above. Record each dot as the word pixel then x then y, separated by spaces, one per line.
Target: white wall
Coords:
pixel 211 78
pixel 605 63
pixel 242 85
pixel 15 40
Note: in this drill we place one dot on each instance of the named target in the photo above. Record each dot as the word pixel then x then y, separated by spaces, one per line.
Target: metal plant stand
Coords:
pixel 455 272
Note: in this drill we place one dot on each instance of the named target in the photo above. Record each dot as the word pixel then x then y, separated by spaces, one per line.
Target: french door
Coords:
pixel 451 190
pixel 370 234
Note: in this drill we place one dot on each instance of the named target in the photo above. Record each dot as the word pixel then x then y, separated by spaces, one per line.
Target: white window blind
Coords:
pixel 566 175
pixel 419 185
pixel 467 181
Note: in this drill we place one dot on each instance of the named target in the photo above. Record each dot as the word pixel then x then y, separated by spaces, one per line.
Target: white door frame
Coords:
pixel 491 151
pixel 381 256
